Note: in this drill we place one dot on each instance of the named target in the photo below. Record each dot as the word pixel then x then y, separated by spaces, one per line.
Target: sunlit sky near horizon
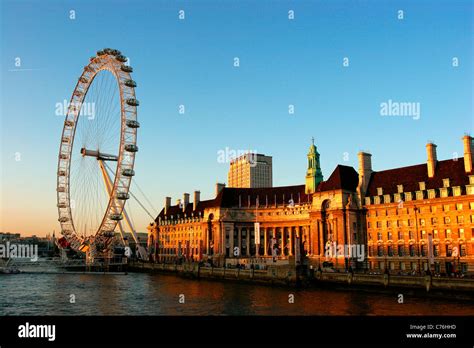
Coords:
pixel 190 62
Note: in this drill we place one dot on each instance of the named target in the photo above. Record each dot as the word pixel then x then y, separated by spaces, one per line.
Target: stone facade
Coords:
pixel 405 219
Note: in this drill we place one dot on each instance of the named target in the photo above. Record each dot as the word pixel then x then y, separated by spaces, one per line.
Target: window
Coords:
pixel 435 233
pixel 400 235
pixel 379 224
pixel 390 250
pixel 389 223
pixel 434 221
pixel 410 222
pixel 371 251
pixel 424 250
pixel 458 206
pixel 449 250
pixel 402 266
pixel 448 233
pixel 447 220
pixel 422 185
pixel 379 191
pixel 401 250
pixel 397 198
pixel 369 224
pixel 472 219
pixel 411 234
pixel 461 233
pixel 460 219
pixel 370 236
pixel 379 235
pixel 422 222
pixel 436 250
pixel 431 194
pixel 445 182
pixel 380 250
pixel 389 234
pixel 446 207
pixel 471 205
pixel 400 188
pixel 412 250
pixel 423 234
pixel 463 250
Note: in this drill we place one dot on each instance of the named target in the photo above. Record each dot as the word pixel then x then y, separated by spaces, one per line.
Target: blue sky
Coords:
pixel 190 62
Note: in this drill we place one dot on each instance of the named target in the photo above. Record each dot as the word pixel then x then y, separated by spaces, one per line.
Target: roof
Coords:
pixel 410 176
pixel 343 177
pixel 232 197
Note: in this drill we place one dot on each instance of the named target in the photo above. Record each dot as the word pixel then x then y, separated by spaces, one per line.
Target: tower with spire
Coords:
pixel 313 175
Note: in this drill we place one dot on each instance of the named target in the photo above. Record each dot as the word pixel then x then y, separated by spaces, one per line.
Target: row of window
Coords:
pixel 425 209
pixel 414 266
pixel 424 235
pixel 422 222
pixel 422 193
pixel 413 250
pixel 422 185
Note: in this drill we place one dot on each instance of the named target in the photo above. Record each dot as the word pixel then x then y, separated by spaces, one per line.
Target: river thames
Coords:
pixel 152 294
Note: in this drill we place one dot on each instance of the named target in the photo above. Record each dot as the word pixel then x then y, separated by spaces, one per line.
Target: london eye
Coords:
pixel 97 154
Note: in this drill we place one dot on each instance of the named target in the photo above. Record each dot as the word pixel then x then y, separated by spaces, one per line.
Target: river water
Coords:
pixel 152 294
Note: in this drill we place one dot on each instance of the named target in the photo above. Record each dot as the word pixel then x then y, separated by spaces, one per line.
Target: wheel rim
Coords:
pixel 95 131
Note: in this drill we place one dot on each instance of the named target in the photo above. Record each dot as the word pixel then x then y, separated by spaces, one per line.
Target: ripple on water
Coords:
pixel 146 294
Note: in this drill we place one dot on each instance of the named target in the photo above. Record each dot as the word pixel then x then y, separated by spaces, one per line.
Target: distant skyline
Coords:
pixel 424 58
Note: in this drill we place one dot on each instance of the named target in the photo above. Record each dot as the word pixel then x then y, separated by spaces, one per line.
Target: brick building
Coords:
pixel 405 219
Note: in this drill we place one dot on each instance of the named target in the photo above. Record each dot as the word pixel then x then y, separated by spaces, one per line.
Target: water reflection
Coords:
pixel 146 294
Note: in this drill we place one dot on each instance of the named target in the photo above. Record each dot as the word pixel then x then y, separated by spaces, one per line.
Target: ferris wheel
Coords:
pixel 97 154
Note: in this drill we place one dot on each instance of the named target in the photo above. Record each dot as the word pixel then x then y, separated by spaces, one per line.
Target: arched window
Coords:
pixel 424 250
pixel 401 250
pixel 449 250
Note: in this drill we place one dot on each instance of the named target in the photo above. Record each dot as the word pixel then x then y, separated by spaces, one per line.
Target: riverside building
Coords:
pixel 406 219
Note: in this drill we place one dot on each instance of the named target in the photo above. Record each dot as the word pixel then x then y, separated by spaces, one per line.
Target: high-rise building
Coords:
pixel 251 170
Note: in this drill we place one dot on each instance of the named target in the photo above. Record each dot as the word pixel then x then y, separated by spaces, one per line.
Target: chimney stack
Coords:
pixel 167 204
pixel 219 188
pixel 365 170
pixel 468 149
pixel 185 200
pixel 432 159
pixel 197 198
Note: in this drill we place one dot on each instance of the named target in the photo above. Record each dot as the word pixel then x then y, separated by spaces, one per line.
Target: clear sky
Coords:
pixel 191 62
